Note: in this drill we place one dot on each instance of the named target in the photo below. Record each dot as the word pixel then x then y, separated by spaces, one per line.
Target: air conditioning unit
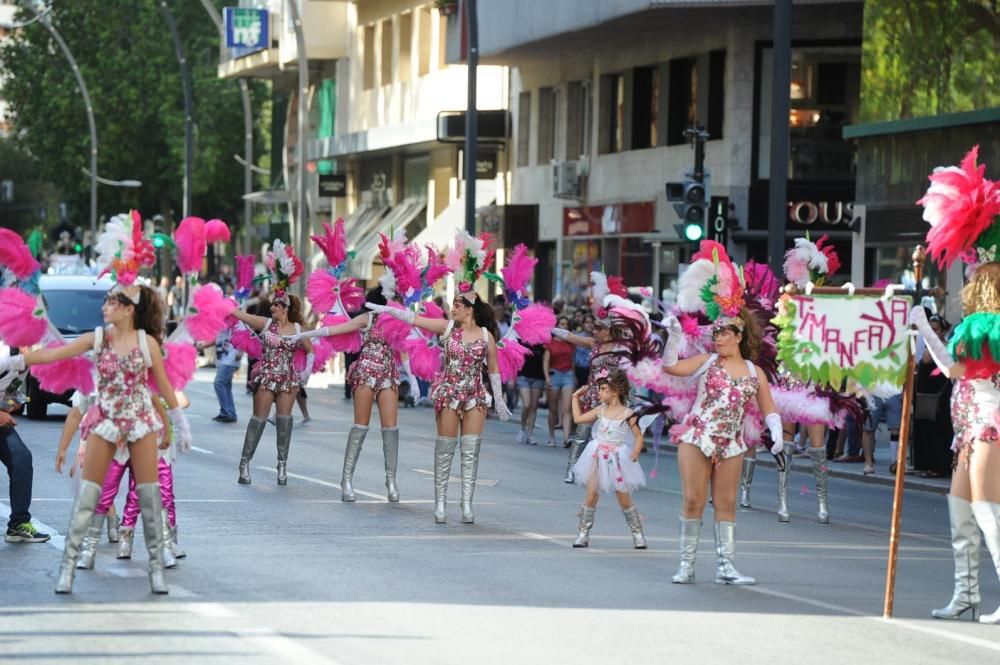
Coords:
pixel 567 180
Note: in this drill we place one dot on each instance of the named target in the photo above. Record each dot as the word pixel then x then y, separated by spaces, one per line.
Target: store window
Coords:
pixel 824 97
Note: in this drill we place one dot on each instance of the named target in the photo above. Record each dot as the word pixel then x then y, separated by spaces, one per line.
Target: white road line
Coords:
pixel 282 647
pixel 325 483
pixel 203 451
pixel 907 624
pixel 455 479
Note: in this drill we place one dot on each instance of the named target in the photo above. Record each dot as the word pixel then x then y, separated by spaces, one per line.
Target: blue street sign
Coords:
pixel 246 29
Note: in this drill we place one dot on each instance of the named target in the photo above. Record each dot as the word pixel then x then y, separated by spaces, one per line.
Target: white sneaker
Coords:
pixel 551 443
pixel 522 436
pixel 531 442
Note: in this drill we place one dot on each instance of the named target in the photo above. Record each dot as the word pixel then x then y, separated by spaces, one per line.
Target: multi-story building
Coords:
pixel 601 93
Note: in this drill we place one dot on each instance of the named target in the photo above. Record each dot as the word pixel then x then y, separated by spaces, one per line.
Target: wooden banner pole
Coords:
pixel 904 436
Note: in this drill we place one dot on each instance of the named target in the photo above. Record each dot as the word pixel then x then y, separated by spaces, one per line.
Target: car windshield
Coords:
pixel 74 312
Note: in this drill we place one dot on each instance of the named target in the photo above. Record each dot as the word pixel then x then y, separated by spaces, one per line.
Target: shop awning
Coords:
pixel 442 231
pixel 395 221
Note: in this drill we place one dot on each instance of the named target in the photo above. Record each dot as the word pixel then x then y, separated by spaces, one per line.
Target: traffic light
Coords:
pixel 690 198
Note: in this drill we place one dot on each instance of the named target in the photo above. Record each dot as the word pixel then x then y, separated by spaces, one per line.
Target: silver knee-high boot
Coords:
pixel 579 440
pixel 390 449
pixel 725 548
pixel 746 480
pixel 113 534
pixel 284 426
pixel 444 453
pixel 586 524
pixel 820 473
pixel 152 530
pixel 79 520
pixel 635 526
pixel 988 517
pixel 175 549
pixel 88 552
pixel 125 544
pixel 255 428
pixel 783 476
pixel 470 466
pixel 169 559
pixel 355 439
pixel 689 536
pixel 965 548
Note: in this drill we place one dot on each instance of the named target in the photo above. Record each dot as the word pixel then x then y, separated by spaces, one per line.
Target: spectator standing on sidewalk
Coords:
pixel 17 458
pixel 227 363
pixel 530 383
pixel 560 382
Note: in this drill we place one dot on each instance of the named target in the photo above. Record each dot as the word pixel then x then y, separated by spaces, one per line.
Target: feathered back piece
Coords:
pixel 329 291
pixel 123 250
pixel 516 276
pixel 601 286
pixel 469 260
pixel 15 256
pixel 333 242
pixel 284 266
pixel 711 285
pixel 962 207
pixel 410 273
pixel 811 261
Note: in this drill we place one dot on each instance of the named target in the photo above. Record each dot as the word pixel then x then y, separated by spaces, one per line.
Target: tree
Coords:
pixel 127 60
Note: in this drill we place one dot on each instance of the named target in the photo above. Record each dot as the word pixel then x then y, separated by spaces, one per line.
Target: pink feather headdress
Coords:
pixel 469 260
pixel 601 286
pixel 811 261
pixel 962 207
pixel 284 265
pixel 711 285
pixel 123 249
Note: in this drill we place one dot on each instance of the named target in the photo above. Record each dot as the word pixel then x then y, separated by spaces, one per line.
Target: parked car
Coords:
pixel 74 307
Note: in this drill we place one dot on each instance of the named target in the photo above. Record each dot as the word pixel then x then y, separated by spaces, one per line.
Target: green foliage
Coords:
pixel 926 57
pixel 127 61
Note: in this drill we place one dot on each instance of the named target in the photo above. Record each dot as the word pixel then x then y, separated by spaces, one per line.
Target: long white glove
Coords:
pixel 401 314
pixel 670 349
pixel 501 406
pixel 411 380
pixel 307 372
pixel 939 352
pixel 182 431
pixel 560 333
pixel 773 422
pixel 9 363
pixel 308 334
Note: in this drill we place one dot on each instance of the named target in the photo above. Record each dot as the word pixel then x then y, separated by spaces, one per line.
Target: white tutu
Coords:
pixel 615 471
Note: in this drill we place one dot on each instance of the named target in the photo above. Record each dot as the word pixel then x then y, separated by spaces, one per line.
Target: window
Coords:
pixel 612 121
pixel 577 119
pixel 405 46
pixel 386 52
pixel 368 61
pixel 547 105
pixel 523 128
pixel 716 94
pixel 645 107
pixel 425 42
pixel 682 99
pixel 824 95
pixel 442 50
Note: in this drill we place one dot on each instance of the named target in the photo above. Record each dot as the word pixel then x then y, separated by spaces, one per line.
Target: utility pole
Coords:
pixel 301 239
pixel 777 208
pixel 471 116
pixel 188 107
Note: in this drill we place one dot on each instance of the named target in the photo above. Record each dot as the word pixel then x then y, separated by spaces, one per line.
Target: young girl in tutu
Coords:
pixel 609 463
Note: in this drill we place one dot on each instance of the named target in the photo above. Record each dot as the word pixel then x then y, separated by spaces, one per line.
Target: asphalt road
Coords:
pixel 292 574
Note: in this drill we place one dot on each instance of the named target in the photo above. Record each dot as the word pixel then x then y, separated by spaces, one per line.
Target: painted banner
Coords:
pixel 829 338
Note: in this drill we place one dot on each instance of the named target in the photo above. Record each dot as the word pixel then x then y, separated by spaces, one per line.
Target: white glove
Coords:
pixel 773 422
pixel 401 314
pixel 182 431
pixel 411 380
pixel 307 334
pixel 497 385
pixel 307 372
pixel 560 333
pixel 937 348
pixel 670 349
pixel 12 364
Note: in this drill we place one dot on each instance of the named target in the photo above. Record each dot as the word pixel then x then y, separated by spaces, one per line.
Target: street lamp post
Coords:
pixel 188 104
pixel 112 183
pixel 300 170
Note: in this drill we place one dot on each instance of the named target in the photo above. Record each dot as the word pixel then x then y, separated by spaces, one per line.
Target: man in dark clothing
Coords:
pixel 17 458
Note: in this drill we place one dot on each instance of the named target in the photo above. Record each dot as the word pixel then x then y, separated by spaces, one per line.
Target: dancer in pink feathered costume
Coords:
pixel 275 379
pixel 459 393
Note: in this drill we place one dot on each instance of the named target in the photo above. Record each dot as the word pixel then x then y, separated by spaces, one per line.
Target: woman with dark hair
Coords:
pixel 459 392
pixel 274 379
pixel 126 351
pixel 710 436
pixel 374 379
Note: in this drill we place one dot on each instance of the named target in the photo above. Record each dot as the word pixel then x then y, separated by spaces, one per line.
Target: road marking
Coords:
pixel 326 483
pixel 282 647
pixel 203 451
pixel 907 624
pixel 456 479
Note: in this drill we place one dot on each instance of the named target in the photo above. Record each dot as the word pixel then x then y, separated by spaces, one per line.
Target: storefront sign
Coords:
pixel 333 185
pixel 246 29
pixel 829 338
pixel 827 212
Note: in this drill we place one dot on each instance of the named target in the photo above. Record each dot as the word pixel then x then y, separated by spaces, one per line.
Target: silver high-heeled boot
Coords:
pixel 125 544
pixel 783 476
pixel 635 526
pixel 586 524
pixel 355 439
pixel 169 560
pixel 444 453
pixel 88 551
pixel 83 510
pixel 175 549
pixel 746 479
pixel 390 449
pixel 988 517
pixel 470 466
pixel 152 531
pixel 689 536
pixel 284 426
pixel 725 548
pixel 255 428
pixel 113 534
pixel 579 440
pixel 965 549
pixel 820 473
